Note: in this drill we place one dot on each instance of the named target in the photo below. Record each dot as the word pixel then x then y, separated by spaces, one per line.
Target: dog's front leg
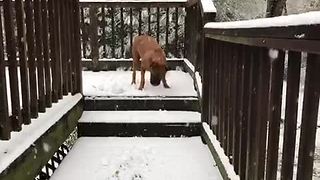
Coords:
pixel 142 79
pixel 134 66
pixel 164 82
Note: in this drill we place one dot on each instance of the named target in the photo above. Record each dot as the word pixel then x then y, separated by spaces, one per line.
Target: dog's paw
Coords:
pixel 140 88
pixel 166 86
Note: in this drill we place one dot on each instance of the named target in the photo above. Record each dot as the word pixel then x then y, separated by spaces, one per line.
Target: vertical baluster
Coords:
pixel 84 35
pixel 45 40
pixel 73 50
pixel 221 92
pixel 309 118
pixel 235 105
pixel 131 30
pixel 104 32
pixel 77 44
pixel 39 53
pixel 149 22
pixel 53 53
pixel 122 35
pixel 158 25
pixel 94 40
pixel 277 68
pixel 68 46
pixel 31 59
pixel 113 34
pixel 21 29
pixel 167 30
pixel 64 47
pixel 176 32
pixel 58 70
pixel 140 21
pixel 252 120
pixel 290 123
pixel 244 111
pixel 5 126
pixel 263 115
pixel 205 84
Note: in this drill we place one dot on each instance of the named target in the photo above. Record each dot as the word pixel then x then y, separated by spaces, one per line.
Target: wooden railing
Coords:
pixel 243 84
pixel 42 51
pixel 109 27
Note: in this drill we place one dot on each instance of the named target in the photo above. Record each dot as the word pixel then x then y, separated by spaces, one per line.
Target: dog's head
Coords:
pixel 158 72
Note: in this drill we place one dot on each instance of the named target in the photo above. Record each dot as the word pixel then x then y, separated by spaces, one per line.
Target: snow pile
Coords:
pixel 283 21
pixel 118 83
pixel 20 141
pixel 141 116
pixel 115 158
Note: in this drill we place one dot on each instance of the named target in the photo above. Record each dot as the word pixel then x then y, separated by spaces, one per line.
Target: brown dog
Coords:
pixel 153 59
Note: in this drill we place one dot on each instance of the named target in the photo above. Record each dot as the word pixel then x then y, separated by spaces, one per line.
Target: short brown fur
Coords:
pixel 153 59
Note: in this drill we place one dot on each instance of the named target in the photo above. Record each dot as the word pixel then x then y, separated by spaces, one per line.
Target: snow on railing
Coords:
pixel 309 18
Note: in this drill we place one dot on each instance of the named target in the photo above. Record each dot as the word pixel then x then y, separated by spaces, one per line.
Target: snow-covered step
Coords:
pixel 140 123
pixel 118 84
pixel 138 159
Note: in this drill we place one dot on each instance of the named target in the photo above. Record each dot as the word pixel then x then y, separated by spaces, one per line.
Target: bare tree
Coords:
pixel 276 7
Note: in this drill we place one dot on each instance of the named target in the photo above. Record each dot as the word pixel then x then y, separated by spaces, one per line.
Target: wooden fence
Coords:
pixel 243 94
pixel 40 58
pixel 109 27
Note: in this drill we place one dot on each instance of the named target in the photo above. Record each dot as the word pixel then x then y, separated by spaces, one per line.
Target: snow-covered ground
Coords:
pixel 20 141
pixel 137 158
pixel 141 116
pixel 118 83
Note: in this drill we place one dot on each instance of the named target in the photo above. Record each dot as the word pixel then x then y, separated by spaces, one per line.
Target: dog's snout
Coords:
pixel 155 80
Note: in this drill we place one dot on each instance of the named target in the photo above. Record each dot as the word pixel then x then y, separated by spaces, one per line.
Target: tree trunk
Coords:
pixel 275 7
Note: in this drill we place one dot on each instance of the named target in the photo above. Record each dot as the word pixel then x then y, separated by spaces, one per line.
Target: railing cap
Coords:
pixel 282 21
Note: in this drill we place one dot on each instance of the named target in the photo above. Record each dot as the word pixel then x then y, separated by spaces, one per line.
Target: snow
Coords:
pixel 141 116
pixel 224 159
pixel 208 6
pixel 118 83
pixel 20 141
pixel 283 21
pixel 137 158
pixel 199 82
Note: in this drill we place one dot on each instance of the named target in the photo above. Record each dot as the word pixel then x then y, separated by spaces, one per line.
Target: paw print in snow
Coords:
pixel 136 177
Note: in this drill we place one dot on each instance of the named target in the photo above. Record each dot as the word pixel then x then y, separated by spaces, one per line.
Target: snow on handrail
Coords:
pixel 208 6
pixel 282 21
